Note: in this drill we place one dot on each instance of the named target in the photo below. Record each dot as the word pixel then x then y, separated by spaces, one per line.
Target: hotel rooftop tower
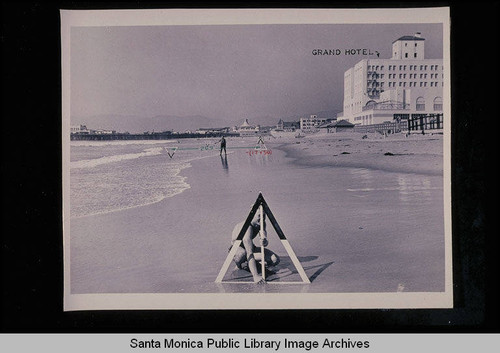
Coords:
pixel 409 47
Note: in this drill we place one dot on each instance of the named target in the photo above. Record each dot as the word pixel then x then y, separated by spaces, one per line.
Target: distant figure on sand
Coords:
pixel 222 145
pixel 248 254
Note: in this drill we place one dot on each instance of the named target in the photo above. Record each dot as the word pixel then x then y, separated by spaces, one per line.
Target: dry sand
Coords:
pixel 416 153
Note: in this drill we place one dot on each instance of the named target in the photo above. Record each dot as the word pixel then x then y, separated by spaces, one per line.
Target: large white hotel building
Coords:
pixel 381 90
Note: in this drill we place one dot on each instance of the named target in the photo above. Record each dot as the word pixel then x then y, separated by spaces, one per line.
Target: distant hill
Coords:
pixel 136 124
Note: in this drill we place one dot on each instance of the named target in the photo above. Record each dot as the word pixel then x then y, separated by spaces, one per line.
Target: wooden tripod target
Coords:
pixel 261 205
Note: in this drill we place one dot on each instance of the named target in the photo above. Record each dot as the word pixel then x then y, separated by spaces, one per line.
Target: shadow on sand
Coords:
pixel 285 270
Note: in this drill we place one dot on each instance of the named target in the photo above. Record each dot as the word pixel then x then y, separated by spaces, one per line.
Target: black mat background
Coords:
pixel 31 245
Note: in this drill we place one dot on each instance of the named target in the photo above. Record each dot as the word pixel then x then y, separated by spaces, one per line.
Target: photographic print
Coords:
pixel 256 159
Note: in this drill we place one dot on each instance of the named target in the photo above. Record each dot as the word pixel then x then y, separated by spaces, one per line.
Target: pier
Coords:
pixel 145 136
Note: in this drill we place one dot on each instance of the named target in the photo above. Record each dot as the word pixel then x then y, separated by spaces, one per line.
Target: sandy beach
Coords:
pixel 416 153
pixel 362 215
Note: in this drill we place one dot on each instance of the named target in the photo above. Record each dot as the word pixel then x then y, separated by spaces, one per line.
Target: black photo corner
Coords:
pixel 32 247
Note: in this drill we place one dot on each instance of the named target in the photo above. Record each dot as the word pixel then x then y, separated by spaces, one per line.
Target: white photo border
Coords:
pixel 205 301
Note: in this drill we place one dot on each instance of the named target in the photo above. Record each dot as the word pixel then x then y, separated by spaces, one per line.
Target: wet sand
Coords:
pixel 360 221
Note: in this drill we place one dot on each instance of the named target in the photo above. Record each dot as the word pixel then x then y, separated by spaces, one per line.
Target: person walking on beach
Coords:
pixel 222 145
pixel 248 254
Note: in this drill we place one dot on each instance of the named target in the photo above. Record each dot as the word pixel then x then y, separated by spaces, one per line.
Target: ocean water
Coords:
pixel 109 176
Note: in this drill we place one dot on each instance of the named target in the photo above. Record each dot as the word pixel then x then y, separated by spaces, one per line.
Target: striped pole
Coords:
pixel 262 261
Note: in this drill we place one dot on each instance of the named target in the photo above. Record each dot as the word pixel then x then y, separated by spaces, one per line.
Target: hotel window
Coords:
pixel 421 67
pixel 415 44
pixel 438 103
pixel 382 67
pixel 421 83
pixel 401 67
pixel 406 55
pixel 414 55
pixel 420 104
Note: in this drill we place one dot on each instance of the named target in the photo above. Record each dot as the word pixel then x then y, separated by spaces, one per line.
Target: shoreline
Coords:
pixel 179 244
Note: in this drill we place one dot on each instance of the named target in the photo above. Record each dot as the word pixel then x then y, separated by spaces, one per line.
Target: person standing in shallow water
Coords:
pixel 222 145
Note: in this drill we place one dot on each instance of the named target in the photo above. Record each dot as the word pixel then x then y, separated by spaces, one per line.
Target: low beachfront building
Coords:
pixel 398 105
pixel 246 129
pixel 337 126
pixel 204 131
pixel 79 129
pixel 312 123
pixel 287 126
pixel 104 132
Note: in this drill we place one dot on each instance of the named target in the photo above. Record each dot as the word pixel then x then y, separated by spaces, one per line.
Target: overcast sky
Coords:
pixel 228 72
